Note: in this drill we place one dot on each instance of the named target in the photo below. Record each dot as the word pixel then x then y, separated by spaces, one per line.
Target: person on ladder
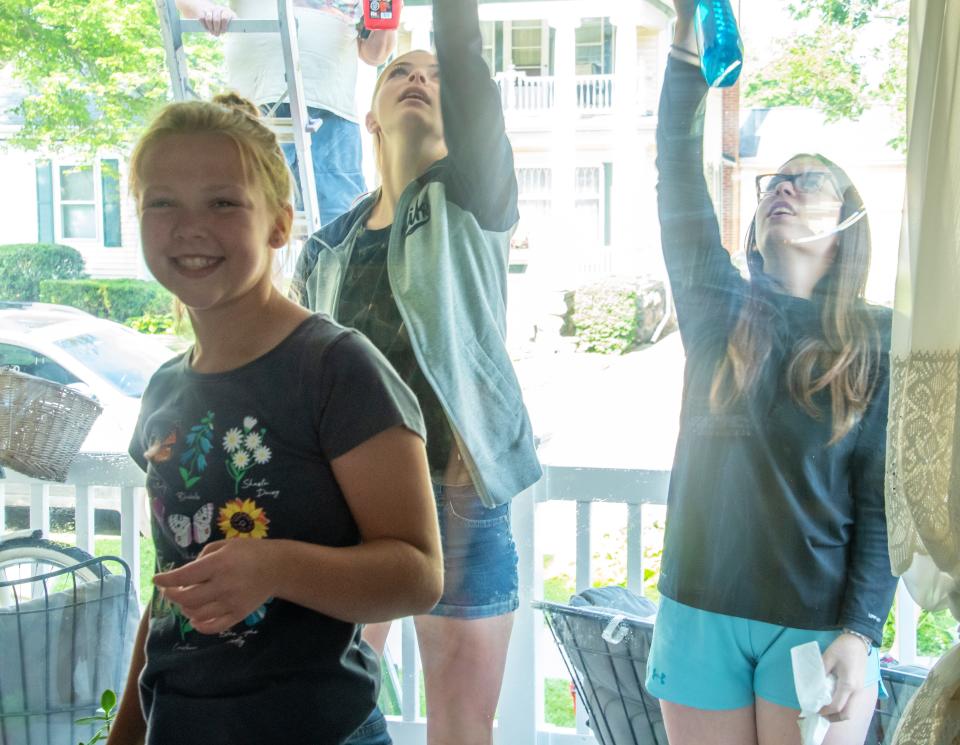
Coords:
pixel 332 38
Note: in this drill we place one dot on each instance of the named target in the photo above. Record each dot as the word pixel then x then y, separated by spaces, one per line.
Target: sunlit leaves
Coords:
pixel 92 71
pixel 830 60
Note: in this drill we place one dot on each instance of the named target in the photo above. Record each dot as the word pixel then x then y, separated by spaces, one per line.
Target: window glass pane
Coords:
pixel 30 362
pixel 526 42
pixel 526 58
pixel 526 37
pixel 76 183
pixel 535 205
pixel 588 181
pixel 79 221
pixel 121 358
pixel 590 31
pixel 594 45
pixel 588 221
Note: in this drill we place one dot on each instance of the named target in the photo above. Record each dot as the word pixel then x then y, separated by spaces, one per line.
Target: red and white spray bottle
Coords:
pixel 381 15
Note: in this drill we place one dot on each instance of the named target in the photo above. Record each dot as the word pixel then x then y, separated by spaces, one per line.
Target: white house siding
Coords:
pixel 651 57
pixel 19 223
pixel 18 197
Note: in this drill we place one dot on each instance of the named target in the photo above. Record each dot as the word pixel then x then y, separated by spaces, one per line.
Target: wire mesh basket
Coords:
pixel 901 683
pixel 606 654
pixel 65 637
pixel 42 425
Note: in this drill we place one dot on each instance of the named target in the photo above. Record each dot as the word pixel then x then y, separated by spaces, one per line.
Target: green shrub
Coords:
pixel 604 316
pixel 24 265
pixel 615 315
pixel 152 323
pixel 116 299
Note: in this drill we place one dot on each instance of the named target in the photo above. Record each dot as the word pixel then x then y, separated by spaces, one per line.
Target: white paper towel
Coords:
pixel 814 690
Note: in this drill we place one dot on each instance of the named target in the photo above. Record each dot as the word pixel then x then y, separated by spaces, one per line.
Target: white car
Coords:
pixel 101 359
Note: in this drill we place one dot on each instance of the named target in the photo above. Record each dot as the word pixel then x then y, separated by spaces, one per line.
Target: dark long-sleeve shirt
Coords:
pixel 766 520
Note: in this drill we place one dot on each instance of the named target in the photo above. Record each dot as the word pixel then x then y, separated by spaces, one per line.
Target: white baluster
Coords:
pixel 40 508
pixel 130 533
pixel 907 613
pixel 84 518
pixel 410 701
pixel 521 700
pixel 635 548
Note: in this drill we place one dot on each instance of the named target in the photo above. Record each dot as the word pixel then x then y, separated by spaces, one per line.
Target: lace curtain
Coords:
pixel 923 441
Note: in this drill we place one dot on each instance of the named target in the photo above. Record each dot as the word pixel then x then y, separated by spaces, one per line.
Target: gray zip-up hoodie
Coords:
pixel 447 266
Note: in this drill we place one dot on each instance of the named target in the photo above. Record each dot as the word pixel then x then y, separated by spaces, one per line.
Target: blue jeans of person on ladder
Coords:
pixel 337 155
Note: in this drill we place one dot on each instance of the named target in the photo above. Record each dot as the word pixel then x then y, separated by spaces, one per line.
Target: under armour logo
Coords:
pixel 659 677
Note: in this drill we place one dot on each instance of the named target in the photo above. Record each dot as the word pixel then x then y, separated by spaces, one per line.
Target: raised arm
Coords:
pixel 473 125
pixel 376 48
pixel 706 286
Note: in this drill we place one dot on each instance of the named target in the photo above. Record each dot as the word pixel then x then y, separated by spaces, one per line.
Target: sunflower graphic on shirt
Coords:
pixel 241 518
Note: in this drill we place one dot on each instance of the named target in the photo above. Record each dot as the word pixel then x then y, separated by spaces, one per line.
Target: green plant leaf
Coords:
pixel 108 700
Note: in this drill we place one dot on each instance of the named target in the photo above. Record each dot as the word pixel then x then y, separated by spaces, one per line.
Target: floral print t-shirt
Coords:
pixel 245 455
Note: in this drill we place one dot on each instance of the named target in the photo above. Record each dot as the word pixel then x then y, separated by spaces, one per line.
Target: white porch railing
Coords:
pixel 526 93
pixel 531 94
pixel 594 93
pixel 521 712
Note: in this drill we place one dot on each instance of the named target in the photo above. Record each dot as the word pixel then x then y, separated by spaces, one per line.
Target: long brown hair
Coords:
pixel 843 360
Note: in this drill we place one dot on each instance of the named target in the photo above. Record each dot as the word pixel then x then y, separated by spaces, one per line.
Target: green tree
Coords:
pixel 92 71
pixel 827 63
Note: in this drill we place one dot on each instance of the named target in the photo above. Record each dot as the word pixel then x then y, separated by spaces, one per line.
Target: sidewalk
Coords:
pixel 605 411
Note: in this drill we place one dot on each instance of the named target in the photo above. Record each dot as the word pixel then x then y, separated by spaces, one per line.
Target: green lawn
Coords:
pixel 558 703
pixel 110 546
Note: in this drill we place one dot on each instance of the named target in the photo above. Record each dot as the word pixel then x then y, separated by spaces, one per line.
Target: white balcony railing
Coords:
pixel 526 93
pixel 594 93
pixel 521 718
pixel 537 94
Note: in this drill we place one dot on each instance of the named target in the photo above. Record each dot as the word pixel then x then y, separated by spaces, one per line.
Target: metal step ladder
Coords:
pixel 295 129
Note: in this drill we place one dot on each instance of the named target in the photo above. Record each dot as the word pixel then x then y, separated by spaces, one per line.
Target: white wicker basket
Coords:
pixel 42 425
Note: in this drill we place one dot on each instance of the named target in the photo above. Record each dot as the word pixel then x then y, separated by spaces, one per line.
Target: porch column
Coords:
pixel 563 157
pixel 630 183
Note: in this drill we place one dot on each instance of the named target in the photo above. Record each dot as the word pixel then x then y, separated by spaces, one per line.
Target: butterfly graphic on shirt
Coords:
pixel 160 451
pixel 189 530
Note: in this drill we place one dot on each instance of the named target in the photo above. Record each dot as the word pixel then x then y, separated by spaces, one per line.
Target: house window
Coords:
pixel 79 202
pixel 595 47
pixel 78 207
pixel 526 47
pixel 535 201
pixel 589 205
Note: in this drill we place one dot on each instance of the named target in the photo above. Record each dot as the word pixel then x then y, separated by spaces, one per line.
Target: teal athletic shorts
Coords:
pixel 716 662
